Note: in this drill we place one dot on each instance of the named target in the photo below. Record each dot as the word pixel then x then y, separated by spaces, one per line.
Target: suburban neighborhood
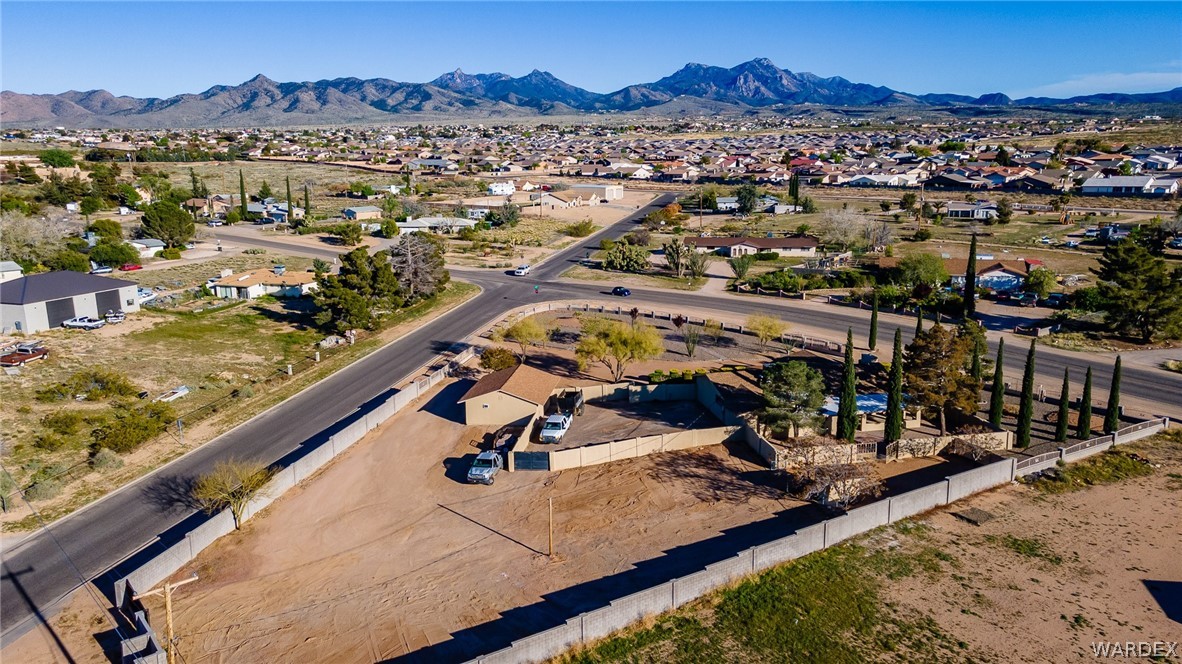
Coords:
pixel 742 364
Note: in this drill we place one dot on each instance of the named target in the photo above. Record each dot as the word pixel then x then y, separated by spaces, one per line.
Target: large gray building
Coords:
pixel 42 301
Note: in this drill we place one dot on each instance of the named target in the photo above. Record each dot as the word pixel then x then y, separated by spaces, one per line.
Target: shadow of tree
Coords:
pixel 172 493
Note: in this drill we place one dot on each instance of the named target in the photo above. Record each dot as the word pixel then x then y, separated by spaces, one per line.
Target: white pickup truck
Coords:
pixel 555 427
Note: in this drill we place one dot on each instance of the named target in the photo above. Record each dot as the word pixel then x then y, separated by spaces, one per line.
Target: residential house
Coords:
pixel 256 283
pixel 147 247
pixel 980 210
pixel 435 224
pixel 605 192
pixel 362 212
pixel 10 270
pixel 740 246
pixel 502 188
pixel 508 396
pixel 1129 185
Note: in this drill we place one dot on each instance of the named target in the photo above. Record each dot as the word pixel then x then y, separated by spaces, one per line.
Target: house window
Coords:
pixel 484 405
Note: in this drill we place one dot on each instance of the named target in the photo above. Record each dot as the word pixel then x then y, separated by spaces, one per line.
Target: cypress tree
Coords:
pixel 1112 415
pixel 970 281
pixel 1083 430
pixel 997 394
pixel 242 193
pixel 975 367
pixel 307 205
pixel 290 209
pixel 1026 406
pixel 847 408
pixel 893 429
pixel 1064 408
pixel 918 321
pixel 873 342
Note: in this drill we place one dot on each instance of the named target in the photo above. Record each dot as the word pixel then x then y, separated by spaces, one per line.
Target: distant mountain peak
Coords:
pixel 695 88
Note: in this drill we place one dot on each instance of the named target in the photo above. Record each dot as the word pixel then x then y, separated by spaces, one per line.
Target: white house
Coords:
pixel 505 188
pixel 606 192
pixel 10 270
pixel 435 224
pixel 256 283
pixel 1134 185
pixel 981 210
pixel 740 246
pixel 362 212
pixel 147 247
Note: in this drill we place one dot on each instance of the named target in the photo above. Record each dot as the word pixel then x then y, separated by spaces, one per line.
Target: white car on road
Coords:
pixel 521 271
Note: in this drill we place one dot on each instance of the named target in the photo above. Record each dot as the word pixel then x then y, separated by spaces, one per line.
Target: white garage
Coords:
pixel 42 301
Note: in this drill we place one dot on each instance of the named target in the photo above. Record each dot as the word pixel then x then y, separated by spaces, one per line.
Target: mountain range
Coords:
pixel 692 90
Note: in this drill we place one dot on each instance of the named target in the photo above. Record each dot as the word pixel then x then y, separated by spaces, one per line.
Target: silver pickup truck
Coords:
pixel 485 468
pixel 555 427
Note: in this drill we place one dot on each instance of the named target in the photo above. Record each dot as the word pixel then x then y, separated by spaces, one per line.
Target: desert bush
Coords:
pixel 169 254
pixel 105 459
pixel 44 490
pixel 94 384
pixel 581 229
pixel 766 256
pixel 496 358
pixel 50 441
pixel 130 426
pixel 63 422
pixel 657 376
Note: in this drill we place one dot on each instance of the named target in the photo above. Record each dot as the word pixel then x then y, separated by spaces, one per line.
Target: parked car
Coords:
pixel 1176 243
pixel 130 267
pixel 83 323
pixel 1046 239
pixel 1026 300
pixel 1071 244
pixel 620 291
pixel 555 427
pixel 521 271
pixel 1092 232
pixel 23 354
pixel 102 269
pixel 1003 296
pixel 484 468
pixel 214 223
pixel 571 401
pixel 1055 300
pixel 115 317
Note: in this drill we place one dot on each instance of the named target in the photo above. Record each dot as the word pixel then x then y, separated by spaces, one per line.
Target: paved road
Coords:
pixel 36 572
pixel 37 575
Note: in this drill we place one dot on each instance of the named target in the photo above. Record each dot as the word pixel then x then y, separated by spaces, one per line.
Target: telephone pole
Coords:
pixel 166 590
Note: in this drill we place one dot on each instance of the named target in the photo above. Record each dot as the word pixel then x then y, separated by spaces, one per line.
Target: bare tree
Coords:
pixel 32 239
pixel 691 335
pixel 877 234
pixel 231 484
pixel 841 484
pixel 842 227
pixel 417 259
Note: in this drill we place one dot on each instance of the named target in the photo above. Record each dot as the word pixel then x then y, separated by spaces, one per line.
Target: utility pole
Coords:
pixel 551 554
pixel 169 646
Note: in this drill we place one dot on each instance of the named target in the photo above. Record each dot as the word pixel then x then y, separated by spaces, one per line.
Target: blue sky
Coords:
pixel 166 48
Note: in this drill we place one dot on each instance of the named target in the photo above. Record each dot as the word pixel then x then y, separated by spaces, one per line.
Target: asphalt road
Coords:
pixel 42 570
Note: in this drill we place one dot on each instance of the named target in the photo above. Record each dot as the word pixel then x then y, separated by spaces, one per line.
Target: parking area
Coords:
pixel 605 421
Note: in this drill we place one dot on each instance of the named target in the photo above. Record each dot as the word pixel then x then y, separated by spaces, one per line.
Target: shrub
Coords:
pixel 105 459
pixel 128 427
pixel 922 235
pixel 94 384
pixel 657 376
pixel 1088 299
pixel 254 251
pixel 766 256
pixel 581 229
pixel 497 358
pixel 50 441
pixel 63 422
pixel 44 490
pixel 244 392
pixel 171 254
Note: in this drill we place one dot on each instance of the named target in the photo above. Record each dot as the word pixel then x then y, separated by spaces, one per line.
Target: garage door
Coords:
pixel 108 301
pixel 59 310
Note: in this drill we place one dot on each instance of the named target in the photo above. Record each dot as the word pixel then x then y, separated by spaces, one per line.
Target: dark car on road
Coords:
pixel 620 291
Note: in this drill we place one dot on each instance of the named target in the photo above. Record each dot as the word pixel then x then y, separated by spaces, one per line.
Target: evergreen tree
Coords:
pixel 873 341
pixel 307 205
pixel 794 188
pixel 975 365
pixel 847 408
pixel 1026 405
pixel 1083 429
pixel 893 429
pixel 970 281
pixel 1112 414
pixel 1064 407
pixel 997 394
pixel 242 193
pixel 918 321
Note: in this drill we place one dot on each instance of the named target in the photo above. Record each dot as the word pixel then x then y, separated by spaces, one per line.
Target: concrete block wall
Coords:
pixel 312 461
pixel 917 502
pixel 980 479
pixel 650 602
pixel 802 543
pixel 219 525
pixel 159 568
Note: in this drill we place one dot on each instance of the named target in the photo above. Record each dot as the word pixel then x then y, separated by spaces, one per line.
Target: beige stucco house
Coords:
pixel 508 396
